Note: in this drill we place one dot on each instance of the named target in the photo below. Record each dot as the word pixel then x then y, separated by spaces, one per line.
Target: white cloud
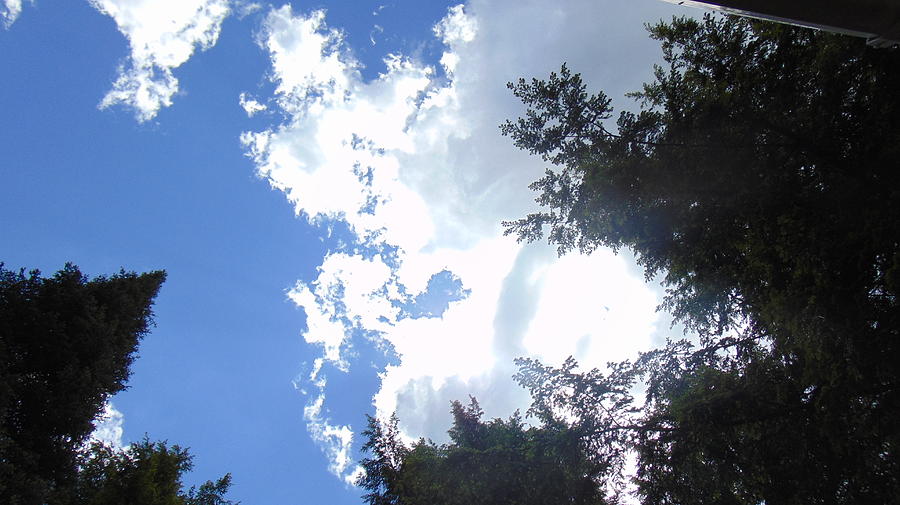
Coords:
pixel 348 293
pixel 454 30
pixel 162 35
pixel 335 440
pixel 10 11
pixel 109 427
pixel 414 162
pixel 244 8
pixel 250 105
pixel 375 29
pixel 620 308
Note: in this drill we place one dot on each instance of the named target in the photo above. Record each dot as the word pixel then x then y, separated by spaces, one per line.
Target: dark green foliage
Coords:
pixel 761 180
pixel 145 473
pixel 497 462
pixel 66 344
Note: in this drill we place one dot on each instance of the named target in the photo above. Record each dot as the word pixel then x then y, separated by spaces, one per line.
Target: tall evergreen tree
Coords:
pixel 66 344
pixel 760 180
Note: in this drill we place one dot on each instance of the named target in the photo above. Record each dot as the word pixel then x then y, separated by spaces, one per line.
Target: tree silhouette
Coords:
pixel 760 180
pixel 66 345
pixel 496 462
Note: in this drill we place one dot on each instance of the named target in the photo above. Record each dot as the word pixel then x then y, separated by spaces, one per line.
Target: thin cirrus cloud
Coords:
pixel 162 35
pixel 411 163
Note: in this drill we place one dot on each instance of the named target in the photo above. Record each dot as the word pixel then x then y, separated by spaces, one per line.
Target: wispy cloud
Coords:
pixel 10 11
pixel 412 165
pixel 335 440
pixel 244 8
pixel 376 29
pixel 109 427
pixel 162 35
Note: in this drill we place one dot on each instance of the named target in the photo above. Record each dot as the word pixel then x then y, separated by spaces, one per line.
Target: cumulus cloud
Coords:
pixel 349 293
pixel 250 105
pixel 162 35
pixel 411 163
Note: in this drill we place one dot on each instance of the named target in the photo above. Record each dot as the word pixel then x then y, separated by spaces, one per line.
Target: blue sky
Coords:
pixel 324 183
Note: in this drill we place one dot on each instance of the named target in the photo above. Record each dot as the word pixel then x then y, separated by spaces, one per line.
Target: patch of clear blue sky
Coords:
pixel 96 188
pixel 403 27
pixel 443 289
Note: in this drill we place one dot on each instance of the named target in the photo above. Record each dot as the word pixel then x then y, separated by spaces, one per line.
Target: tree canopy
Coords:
pixel 493 463
pixel 66 345
pixel 760 181
pixel 145 473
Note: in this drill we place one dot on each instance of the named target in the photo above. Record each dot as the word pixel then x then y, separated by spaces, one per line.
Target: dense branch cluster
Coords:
pixel 760 178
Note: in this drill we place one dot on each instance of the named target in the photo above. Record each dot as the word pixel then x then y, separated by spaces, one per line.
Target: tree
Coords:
pixel 66 345
pixel 496 462
pixel 760 180
pixel 145 473
pixel 381 471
